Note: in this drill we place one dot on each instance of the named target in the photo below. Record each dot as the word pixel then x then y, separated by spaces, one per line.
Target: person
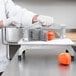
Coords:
pixel 10 13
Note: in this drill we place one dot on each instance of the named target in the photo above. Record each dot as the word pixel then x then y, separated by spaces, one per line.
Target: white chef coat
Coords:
pixel 9 13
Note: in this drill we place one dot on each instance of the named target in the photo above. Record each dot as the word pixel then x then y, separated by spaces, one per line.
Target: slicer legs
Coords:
pixel 21 53
pixel 66 48
pixel 70 50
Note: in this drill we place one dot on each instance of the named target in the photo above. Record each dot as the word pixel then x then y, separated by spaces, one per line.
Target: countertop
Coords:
pixel 39 65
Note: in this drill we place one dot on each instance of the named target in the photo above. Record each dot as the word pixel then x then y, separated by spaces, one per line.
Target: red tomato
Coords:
pixel 64 58
pixel 50 35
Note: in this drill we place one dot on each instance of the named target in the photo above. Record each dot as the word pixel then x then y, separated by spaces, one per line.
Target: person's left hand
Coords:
pixel 1 24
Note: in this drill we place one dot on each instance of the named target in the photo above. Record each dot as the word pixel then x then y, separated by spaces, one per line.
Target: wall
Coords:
pixel 63 11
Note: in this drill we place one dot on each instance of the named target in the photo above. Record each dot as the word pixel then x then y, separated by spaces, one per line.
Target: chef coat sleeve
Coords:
pixel 17 15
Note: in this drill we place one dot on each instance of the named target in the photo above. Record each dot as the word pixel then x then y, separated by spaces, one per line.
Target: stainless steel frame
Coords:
pixel 23 47
pixel 9 45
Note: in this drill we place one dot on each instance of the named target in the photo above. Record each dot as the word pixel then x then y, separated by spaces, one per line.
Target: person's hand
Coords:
pixel 44 20
pixel 1 24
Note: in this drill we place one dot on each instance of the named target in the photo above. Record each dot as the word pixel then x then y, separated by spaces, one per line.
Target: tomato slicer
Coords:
pixel 40 43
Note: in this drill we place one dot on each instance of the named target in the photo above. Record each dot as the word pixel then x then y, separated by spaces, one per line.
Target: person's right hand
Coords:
pixel 45 20
pixel 1 24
